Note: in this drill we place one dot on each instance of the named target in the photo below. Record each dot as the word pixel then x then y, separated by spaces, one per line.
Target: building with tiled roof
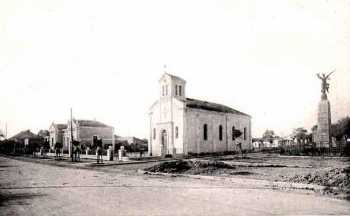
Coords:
pixel 84 131
pixel 26 141
pixel 180 125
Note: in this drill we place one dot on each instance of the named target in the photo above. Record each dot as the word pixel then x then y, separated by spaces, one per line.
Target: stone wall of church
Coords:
pixel 166 115
pixel 195 120
pixel 178 119
pixel 154 147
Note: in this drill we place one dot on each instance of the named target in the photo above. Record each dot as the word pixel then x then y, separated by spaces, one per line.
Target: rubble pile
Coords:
pixel 336 177
pixel 190 166
pixel 178 166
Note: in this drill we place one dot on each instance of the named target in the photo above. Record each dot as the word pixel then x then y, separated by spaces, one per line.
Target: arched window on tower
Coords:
pixel 205 132
pixel 176 93
pixel 154 133
pixel 180 90
pixel 220 132
pixel 176 132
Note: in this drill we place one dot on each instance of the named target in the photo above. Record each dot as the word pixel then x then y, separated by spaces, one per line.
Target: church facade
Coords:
pixel 181 126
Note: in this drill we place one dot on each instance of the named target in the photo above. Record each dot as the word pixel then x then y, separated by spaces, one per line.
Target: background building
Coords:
pixel 85 130
pixel 57 134
pixel 26 142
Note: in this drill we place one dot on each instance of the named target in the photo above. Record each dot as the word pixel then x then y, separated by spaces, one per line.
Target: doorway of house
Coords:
pixel 164 140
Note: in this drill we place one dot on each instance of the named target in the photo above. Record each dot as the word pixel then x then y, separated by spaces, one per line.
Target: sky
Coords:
pixel 104 59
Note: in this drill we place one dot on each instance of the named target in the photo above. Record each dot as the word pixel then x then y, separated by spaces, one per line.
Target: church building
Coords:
pixel 181 125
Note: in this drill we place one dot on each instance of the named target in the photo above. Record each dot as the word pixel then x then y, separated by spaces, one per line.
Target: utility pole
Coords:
pixel 71 133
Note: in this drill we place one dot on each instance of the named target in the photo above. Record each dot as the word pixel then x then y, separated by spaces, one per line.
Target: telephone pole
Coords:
pixel 71 133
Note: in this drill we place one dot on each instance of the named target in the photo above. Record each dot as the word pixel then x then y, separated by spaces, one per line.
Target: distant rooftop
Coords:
pixel 24 135
pixel 61 126
pixel 90 123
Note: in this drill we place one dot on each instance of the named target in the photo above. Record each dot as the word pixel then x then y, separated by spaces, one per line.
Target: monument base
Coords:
pixel 324 124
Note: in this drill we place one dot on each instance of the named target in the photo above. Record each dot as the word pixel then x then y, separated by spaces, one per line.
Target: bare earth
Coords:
pixel 37 189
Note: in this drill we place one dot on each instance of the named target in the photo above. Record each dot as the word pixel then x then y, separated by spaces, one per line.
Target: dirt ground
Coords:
pixel 334 173
pixel 28 188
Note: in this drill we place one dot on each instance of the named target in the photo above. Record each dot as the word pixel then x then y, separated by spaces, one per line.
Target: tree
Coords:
pixel 268 134
pixel 46 145
pixel 2 135
pixel 300 133
pixel 341 128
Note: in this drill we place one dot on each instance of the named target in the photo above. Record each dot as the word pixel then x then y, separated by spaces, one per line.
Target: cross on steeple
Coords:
pixel 164 68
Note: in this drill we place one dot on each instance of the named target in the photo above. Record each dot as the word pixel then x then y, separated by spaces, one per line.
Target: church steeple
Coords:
pixel 172 86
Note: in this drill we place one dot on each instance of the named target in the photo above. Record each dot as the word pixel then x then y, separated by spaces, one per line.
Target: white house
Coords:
pixel 57 134
pixel 180 125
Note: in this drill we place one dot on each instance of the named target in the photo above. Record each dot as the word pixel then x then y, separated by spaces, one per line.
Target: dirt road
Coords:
pixel 37 189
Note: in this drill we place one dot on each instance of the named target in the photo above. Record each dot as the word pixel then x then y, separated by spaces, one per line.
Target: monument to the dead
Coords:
pixel 324 115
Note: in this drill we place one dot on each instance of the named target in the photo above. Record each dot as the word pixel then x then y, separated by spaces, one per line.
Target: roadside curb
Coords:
pixel 314 157
pixel 77 165
pixel 245 181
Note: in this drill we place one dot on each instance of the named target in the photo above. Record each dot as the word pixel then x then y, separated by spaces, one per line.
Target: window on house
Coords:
pixel 220 132
pixel 245 133
pixel 176 90
pixel 176 132
pixel 205 132
pixel 154 133
pixel 180 90
pixel 233 133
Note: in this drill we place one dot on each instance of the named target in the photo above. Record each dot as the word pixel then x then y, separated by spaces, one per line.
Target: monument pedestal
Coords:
pixel 324 124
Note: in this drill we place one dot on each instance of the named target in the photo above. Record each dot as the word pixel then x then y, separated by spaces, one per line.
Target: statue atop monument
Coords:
pixel 325 84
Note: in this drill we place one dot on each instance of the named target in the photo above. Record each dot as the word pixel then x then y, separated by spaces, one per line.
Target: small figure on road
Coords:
pixel 58 146
pixel 99 151
pixel 76 150
pixel 239 146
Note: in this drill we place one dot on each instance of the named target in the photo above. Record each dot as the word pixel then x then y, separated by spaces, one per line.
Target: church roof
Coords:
pixel 173 76
pixel 205 105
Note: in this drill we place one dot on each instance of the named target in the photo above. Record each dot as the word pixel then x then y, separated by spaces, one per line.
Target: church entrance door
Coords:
pixel 164 140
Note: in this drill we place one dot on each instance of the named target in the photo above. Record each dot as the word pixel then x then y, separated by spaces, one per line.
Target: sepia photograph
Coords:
pixel 187 107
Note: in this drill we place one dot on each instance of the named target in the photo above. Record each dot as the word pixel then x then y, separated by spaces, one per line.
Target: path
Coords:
pixel 37 189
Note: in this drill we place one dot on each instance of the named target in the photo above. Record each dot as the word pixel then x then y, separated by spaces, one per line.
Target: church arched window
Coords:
pixel 180 90
pixel 154 133
pixel 205 132
pixel 176 90
pixel 176 132
pixel 233 133
pixel 245 133
pixel 220 132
